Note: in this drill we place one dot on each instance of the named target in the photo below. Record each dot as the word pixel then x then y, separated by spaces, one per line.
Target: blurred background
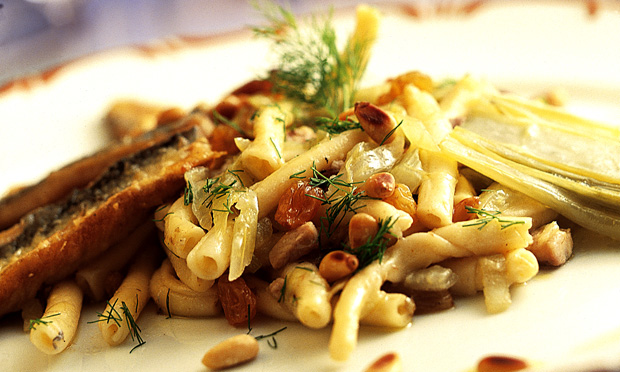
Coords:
pixel 37 34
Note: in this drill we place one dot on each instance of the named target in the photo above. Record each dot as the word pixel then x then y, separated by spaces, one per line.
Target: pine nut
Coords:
pixel 337 264
pixel 389 362
pixel 375 122
pixel 501 364
pixel 362 227
pixel 231 352
pixel 380 185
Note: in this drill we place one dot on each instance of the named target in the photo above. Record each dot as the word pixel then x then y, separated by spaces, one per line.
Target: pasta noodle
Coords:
pixel 181 232
pixel 130 298
pixel 175 298
pixel 54 331
pixel 306 294
pixel 186 276
pixel 264 155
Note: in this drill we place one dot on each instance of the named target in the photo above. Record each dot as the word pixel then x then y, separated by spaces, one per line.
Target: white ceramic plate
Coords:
pixel 562 320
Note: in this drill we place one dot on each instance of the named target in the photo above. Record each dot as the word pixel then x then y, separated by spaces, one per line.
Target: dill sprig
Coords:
pixel 114 315
pixel 134 329
pixel 299 175
pixel 220 119
pixel 33 323
pixel 275 146
pixel 310 67
pixel 274 344
pixel 215 188
pixel 336 126
pixel 283 290
pixel 375 247
pixel 343 199
pixel 188 194
pixel 387 136
pixel 163 218
pixel 488 216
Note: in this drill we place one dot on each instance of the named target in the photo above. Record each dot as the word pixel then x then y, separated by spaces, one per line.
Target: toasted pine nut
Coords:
pixel 380 185
pixel 231 352
pixel 500 364
pixel 362 227
pixel 375 122
pixel 337 264
pixel 389 362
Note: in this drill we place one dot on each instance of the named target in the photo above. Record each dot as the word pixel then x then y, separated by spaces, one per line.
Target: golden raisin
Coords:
pixel 298 205
pixel 461 212
pixel 500 364
pixel 223 139
pixel 237 299
pixel 402 199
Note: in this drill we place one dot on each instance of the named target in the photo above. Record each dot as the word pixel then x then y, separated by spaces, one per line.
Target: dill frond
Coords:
pixel 343 199
pixel 375 247
pixel 33 323
pixel 335 126
pixel 488 216
pixel 310 68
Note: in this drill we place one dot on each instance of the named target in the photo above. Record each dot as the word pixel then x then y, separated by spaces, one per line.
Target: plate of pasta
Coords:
pixel 388 188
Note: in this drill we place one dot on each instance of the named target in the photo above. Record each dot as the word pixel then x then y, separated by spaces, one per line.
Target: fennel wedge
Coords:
pixel 567 163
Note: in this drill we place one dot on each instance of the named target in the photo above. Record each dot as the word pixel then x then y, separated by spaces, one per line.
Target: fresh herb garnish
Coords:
pixel 275 147
pixel 249 320
pixel 298 175
pixel 234 172
pixel 311 68
pixel 304 268
pixel 162 219
pixel 260 337
pixel 342 200
pixel 387 136
pixel 216 189
pixel 134 329
pixel 274 344
pixel 220 119
pixel 375 247
pixel 112 315
pixel 283 290
pixel 488 216
pixel 41 321
pixel 115 316
pixel 336 126
pixel 188 194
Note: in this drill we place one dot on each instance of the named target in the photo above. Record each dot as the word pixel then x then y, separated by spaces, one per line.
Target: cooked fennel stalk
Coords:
pixel 564 161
